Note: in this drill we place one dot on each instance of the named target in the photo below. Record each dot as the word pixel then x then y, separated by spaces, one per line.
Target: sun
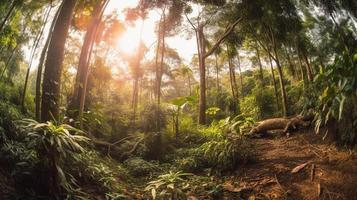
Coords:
pixel 129 40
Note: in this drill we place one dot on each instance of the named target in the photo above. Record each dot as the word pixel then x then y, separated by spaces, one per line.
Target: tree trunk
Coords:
pixel 35 45
pixel 274 82
pixel 160 70
pixel 54 61
pixel 40 66
pixel 261 76
pixel 8 14
pixel 80 86
pixel 302 71
pixel 202 69
pixel 234 86
pixel 8 61
pixel 217 71
pixel 291 66
pixel 240 74
pixel 281 78
pixel 310 75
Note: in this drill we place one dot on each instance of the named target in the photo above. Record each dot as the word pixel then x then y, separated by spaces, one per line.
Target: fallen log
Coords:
pixel 285 124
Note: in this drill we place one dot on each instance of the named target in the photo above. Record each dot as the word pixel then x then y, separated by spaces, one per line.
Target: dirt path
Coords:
pixel 270 177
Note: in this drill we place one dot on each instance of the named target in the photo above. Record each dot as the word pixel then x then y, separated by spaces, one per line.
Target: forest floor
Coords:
pixel 327 173
pixel 322 172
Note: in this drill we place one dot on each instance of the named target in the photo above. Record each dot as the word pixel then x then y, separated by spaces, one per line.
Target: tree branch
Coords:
pixel 228 31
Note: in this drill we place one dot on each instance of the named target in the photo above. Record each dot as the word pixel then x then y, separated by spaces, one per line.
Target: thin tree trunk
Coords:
pixel 35 45
pixel 53 66
pixel 291 66
pixel 261 76
pixel 308 67
pixel 240 74
pixel 274 82
pixel 161 70
pixel 202 69
pixel 300 64
pixel 232 76
pixel 281 79
pixel 8 61
pixel 217 72
pixel 8 14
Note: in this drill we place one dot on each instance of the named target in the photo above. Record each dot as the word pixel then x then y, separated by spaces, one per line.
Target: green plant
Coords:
pixel 139 167
pixel 52 143
pixel 168 186
pixel 225 154
pixel 336 85
pixel 89 168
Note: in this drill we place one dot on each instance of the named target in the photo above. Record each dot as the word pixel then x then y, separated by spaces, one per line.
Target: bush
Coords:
pixel 88 168
pixel 168 186
pixel 52 144
pixel 226 154
pixel 260 103
pixel 335 89
pixel 139 167
pixel 8 114
pixel 149 118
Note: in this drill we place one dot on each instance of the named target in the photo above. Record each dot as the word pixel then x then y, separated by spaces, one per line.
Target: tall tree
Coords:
pixel 40 66
pixel 53 65
pixel 80 86
pixel 33 52
pixel 204 53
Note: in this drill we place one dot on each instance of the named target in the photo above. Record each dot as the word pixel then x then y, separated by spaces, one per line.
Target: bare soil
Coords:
pixel 334 175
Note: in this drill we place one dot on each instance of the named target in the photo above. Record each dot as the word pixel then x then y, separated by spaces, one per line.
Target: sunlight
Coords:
pixel 129 41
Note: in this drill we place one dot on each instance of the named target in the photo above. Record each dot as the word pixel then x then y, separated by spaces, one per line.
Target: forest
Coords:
pixel 178 99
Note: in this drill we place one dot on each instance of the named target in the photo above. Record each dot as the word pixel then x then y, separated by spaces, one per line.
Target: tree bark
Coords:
pixel 240 74
pixel 40 67
pixel 217 71
pixel 80 86
pixel 281 77
pixel 202 69
pixel 261 76
pixel 310 75
pixel 53 66
pixel 274 82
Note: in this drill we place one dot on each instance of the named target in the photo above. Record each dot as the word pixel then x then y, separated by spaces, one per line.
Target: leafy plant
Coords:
pixel 52 143
pixel 139 167
pixel 89 168
pixel 337 95
pixel 168 186
pixel 225 154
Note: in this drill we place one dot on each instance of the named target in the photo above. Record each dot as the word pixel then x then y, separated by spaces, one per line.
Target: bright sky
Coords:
pixel 130 39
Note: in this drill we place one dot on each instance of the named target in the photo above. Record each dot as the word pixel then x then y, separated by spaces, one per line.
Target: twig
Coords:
pixel 277 181
pixel 312 172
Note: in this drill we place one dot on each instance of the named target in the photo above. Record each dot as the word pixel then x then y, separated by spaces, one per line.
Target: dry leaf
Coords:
pixel 298 168
pixel 318 190
pixel 229 187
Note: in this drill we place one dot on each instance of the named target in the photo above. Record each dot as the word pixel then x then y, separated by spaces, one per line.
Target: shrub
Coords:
pixel 168 186
pixel 88 168
pixel 149 116
pixel 225 154
pixel 139 167
pixel 52 144
pixel 336 98
pixel 8 114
